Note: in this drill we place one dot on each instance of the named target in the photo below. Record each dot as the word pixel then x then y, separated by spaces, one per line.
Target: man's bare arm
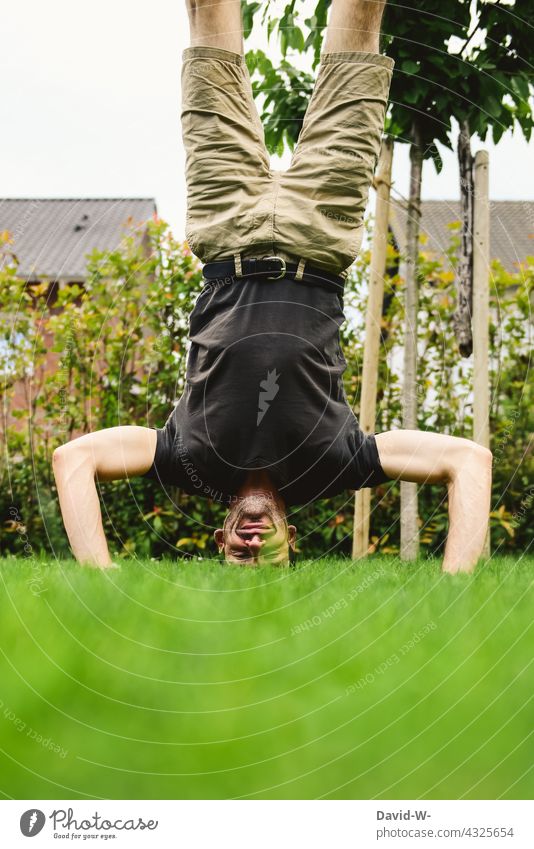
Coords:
pixel 118 452
pixel 464 466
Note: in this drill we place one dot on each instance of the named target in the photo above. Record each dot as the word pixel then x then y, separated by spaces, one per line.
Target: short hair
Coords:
pixel 292 555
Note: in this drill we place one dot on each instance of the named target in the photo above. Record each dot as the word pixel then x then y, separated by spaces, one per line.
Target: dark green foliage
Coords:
pixel 284 93
pixel 486 81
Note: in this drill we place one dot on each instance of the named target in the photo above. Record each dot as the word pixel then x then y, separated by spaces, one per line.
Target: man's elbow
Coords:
pixel 485 455
pixel 473 457
pixel 59 458
pixel 481 456
pixel 70 457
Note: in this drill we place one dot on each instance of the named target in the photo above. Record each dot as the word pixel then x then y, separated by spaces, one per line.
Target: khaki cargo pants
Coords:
pixel 314 210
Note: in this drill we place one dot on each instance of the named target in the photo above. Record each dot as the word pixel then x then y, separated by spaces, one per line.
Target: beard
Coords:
pixel 254 508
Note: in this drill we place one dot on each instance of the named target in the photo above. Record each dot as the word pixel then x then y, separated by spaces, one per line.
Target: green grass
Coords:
pixel 195 680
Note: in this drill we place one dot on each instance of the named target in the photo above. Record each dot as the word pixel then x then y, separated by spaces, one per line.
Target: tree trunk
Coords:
pixel 464 307
pixel 409 511
pixel 373 320
pixel 481 314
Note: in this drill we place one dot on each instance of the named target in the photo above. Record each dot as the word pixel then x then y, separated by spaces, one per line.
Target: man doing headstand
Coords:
pixel 264 422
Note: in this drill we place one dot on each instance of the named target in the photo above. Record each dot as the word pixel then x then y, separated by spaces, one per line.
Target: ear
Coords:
pixel 218 536
pixel 291 535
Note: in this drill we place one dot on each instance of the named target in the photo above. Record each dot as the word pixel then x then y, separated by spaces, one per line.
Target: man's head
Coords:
pixel 256 532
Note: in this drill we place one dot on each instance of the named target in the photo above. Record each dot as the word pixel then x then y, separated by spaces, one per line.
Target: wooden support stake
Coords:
pixel 409 510
pixel 481 272
pixel 373 319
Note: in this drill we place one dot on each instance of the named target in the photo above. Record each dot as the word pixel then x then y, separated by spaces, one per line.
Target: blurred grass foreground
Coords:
pixel 332 680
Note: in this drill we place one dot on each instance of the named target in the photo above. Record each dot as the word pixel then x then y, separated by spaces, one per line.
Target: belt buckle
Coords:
pixel 282 267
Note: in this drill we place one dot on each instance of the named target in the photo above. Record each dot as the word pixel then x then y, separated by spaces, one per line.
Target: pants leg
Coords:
pixel 322 197
pixel 230 188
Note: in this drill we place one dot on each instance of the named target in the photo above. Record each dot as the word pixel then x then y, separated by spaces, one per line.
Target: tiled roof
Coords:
pixel 52 237
pixel 511 228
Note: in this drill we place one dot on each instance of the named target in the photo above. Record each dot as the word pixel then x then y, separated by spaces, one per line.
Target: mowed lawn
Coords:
pixel 332 680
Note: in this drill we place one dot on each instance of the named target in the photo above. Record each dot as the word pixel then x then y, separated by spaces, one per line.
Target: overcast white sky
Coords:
pixel 91 97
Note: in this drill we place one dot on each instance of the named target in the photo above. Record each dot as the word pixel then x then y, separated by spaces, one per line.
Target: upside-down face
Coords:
pixel 256 533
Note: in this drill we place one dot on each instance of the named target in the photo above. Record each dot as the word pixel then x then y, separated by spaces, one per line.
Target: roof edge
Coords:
pixel 63 199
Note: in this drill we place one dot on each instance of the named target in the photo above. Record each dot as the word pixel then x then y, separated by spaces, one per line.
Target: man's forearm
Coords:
pixel 80 506
pixel 469 505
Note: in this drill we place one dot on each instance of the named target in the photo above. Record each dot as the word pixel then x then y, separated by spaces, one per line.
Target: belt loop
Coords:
pixel 238 266
pixel 300 270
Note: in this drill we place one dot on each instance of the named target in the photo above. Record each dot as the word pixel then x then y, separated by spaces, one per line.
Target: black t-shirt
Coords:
pixel 264 390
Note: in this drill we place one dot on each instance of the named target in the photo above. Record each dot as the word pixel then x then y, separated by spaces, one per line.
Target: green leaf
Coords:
pixel 296 39
pixel 283 41
pixel 521 86
pixel 271 26
pixel 413 93
pixel 498 130
pixel 437 160
pixel 410 67
pixel 248 10
pixel 493 106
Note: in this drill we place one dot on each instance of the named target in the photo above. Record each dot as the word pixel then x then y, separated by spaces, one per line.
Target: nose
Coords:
pixel 254 544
